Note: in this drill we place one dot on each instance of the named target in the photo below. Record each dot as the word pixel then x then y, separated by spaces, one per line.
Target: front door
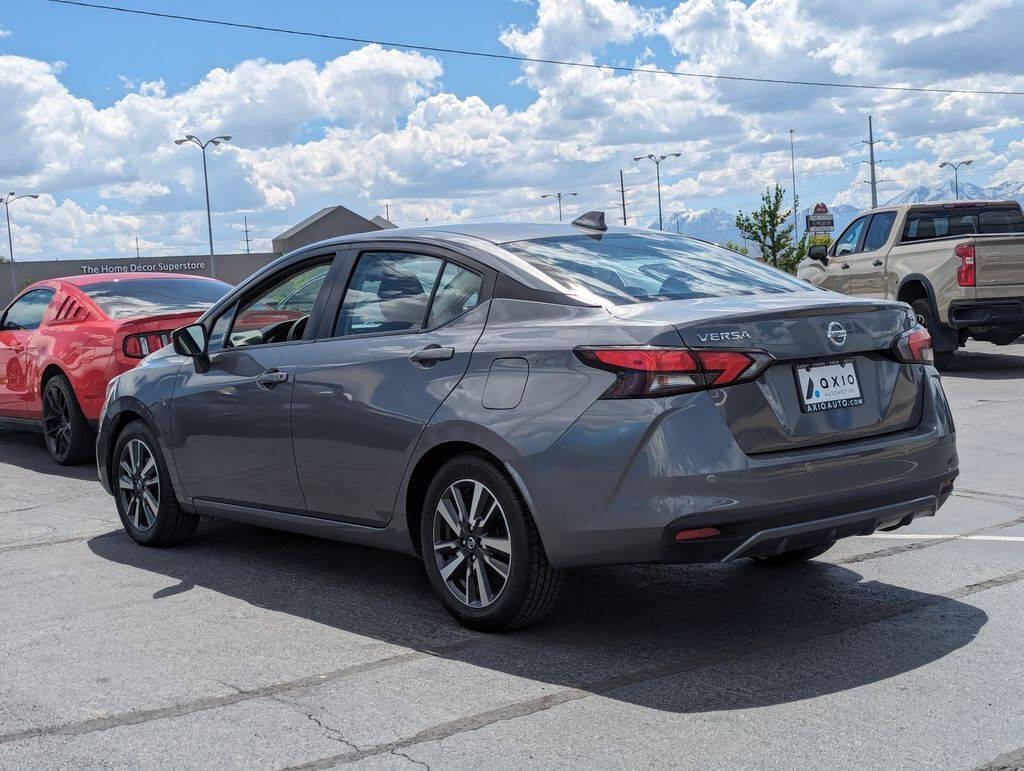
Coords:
pixel 18 324
pixel 231 423
pixel 841 256
pixel 867 274
pixel 400 342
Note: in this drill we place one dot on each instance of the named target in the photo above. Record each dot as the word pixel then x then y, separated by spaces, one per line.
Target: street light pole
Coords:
pixel 7 200
pixel 956 174
pixel 657 159
pixel 559 196
pixel 206 183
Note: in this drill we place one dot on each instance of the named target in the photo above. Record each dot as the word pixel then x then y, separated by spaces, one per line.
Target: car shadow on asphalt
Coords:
pixel 25 449
pixel 1005 363
pixel 736 636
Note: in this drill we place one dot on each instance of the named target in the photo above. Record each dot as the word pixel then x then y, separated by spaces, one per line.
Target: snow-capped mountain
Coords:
pixel 719 225
pixel 944 191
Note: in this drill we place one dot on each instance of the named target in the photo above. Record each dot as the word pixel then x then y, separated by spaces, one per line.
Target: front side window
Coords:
pixel 136 297
pixel 27 313
pixel 275 314
pixel 625 268
pixel 847 243
pixel 388 292
pixel 878 231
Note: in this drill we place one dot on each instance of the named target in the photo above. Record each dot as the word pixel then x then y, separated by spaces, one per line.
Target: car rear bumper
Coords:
pixel 1007 311
pixel 630 474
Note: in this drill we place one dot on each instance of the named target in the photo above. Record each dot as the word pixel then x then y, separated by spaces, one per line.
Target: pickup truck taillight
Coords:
pixel 965 273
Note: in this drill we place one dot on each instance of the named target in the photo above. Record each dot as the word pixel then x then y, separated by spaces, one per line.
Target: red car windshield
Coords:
pixel 131 298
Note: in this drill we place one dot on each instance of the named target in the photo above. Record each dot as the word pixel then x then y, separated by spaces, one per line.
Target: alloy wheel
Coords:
pixel 57 422
pixel 139 484
pixel 472 543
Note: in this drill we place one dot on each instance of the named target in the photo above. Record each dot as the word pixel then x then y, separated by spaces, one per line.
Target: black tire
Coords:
pixel 528 591
pixel 66 432
pixel 160 525
pixel 795 556
pixel 923 310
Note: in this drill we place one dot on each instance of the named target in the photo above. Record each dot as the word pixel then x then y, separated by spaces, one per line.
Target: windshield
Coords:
pixel 130 298
pixel 638 267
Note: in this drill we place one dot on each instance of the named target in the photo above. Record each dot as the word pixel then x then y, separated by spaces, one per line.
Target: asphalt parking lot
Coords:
pixel 253 648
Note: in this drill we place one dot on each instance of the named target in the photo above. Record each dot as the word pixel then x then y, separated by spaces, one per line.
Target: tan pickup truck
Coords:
pixel 959 265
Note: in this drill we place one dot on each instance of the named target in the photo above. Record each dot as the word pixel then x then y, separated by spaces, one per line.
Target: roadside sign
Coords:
pixel 820 220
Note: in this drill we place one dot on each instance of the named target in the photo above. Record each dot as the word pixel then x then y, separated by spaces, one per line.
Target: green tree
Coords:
pixel 737 248
pixel 771 228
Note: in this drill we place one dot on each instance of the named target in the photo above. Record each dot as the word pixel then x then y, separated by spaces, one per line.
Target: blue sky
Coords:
pixel 96 97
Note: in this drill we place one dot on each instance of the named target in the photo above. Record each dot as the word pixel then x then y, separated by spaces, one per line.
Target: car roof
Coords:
pixel 99 278
pixel 929 205
pixel 491 232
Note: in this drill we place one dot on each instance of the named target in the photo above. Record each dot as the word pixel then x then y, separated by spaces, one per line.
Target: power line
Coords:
pixel 535 60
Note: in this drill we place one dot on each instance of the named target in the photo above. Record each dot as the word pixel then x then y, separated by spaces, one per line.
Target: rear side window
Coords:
pixel 388 292
pixel 962 221
pixel 28 311
pixel 626 268
pixel 131 298
pixel 878 231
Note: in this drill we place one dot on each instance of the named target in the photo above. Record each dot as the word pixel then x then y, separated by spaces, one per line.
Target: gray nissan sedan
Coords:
pixel 507 401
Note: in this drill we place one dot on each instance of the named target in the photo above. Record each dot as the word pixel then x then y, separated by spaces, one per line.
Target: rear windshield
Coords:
pixel 962 221
pixel 129 298
pixel 638 267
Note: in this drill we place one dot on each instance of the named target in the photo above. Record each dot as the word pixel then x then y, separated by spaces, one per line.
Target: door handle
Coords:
pixel 271 379
pixel 17 348
pixel 432 354
pixel 877 263
pixel 845 266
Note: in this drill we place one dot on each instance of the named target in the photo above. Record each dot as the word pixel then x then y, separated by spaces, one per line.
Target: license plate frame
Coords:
pixel 844 392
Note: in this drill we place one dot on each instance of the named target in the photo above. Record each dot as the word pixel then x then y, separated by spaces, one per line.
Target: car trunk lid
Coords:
pixel 812 336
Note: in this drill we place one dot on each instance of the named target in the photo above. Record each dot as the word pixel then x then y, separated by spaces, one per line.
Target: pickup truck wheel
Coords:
pixel 923 310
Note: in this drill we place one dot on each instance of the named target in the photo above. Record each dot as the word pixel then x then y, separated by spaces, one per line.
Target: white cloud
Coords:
pixel 4 32
pixel 378 124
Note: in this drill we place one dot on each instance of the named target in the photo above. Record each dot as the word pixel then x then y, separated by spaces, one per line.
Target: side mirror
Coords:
pixel 190 341
pixel 818 252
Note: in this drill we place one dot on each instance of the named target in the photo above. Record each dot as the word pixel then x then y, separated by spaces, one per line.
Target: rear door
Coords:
pixel 17 327
pixel 398 341
pixel 231 422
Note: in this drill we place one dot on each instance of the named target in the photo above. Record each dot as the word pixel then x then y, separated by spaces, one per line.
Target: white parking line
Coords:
pixel 930 536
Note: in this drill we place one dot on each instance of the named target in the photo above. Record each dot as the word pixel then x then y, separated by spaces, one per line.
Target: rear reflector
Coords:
pixel 965 274
pixel 697 532
pixel 914 347
pixel 651 371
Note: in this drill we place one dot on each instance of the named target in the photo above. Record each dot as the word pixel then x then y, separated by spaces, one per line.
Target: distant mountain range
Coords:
pixel 719 225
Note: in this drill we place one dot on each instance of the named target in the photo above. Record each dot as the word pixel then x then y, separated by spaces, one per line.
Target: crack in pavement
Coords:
pixel 212 702
pixel 928 542
pixel 600 687
pixel 331 733
pixel 56 541
pixel 1010 761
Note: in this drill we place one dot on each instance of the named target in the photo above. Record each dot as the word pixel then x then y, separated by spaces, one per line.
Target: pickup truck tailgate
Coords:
pixel 999 264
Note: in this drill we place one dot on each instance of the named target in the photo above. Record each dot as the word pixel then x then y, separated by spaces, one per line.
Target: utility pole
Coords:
pixel 559 196
pixel 245 219
pixel 792 169
pixel 138 254
pixel 622 192
pixel 871 163
pixel 387 212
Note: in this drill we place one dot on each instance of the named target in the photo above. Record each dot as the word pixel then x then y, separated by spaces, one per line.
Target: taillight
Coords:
pixel 140 346
pixel 650 371
pixel 965 274
pixel 914 347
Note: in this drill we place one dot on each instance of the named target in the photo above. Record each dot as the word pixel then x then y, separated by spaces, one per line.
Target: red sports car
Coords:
pixel 63 339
